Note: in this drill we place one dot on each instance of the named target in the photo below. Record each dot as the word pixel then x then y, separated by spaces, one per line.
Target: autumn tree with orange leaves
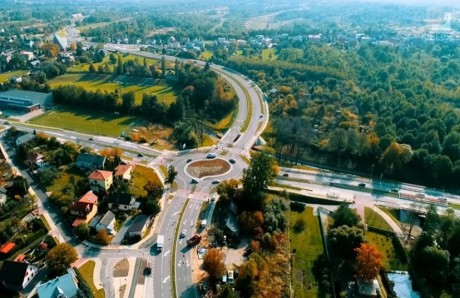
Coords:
pixel 213 263
pixel 369 260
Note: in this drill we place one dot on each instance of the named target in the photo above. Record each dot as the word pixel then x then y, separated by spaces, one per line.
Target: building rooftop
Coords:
pixel 13 272
pixel 7 247
pixel 96 160
pixel 89 198
pixel 122 169
pixel 61 286
pixel 138 223
pixel 100 175
pixel 32 96
pixel 107 219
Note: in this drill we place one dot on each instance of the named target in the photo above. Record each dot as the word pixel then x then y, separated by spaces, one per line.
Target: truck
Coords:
pixel 160 242
pixel 194 240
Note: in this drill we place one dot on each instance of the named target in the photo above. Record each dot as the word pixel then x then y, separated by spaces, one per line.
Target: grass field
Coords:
pixel 374 219
pixel 84 67
pixel 110 83
pixel 140 177
pixel 206 55
pixel 85 121
pixel 308 247
pixel 454 206
pixel 268 54
pixel 87 271
pixel 385 246
pixel 7 75
pixel 226 122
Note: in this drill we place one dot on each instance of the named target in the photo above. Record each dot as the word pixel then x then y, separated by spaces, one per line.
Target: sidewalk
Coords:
pixel 396 228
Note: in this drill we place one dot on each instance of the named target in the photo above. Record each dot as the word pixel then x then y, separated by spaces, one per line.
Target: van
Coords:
pixel 230 277
pixel 204 223
pixel 211 155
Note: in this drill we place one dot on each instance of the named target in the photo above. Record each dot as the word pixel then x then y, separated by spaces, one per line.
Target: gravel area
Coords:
pixel 212 167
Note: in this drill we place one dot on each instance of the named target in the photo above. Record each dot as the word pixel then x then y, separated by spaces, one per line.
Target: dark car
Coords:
pixel 189 160
pixel 285 175
pixel 147 271
pixel 194 181
pixel 140 155
pixel 362 185
pixel 91 138
pixel 232 160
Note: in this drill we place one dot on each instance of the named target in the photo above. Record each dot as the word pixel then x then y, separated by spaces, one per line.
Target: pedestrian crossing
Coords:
pixel 183 193
pixel 199 196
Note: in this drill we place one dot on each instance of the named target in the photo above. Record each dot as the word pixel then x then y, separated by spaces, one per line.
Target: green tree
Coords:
pixel 260 173
pixel 395 156
pixel 172 173
pixel 20 187
pixel 345 216
pixel 345 239
pixel 92 69
pixel 120 66
pixel 128 101
pixel 82 231
pixel 60 257
pixel 432 220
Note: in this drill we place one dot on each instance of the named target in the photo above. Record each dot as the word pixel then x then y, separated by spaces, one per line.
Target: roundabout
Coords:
pixel 207 168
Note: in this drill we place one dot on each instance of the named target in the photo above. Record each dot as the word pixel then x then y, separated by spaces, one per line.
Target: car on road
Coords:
pixel 394 190
pixel 232 160
pixel 211 155
pixel 194 181
pixel 215 181
pixel 6 122
pixel 183 233
pixel 147 271
pixel 261 116
pixel 285 175
pixel 194 240
pixel 230 277
pixel 189 160
pixel 140 155
pixel 213 198
pixel 361 185
pixel 91 139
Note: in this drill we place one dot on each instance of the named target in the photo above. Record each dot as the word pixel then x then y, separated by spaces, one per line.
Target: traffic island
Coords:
pixel 206 168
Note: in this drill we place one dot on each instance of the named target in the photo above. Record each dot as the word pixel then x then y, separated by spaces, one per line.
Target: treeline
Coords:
pixel 203 95
pixel 378 106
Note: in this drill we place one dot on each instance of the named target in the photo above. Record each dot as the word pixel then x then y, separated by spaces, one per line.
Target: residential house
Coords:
pixel 90 161
pixel 139 226
pixel 15 276
pixel 107 223
pixel 100 180
pixel 124 171
pixel 35 159
pixel 24 139
pixel 62 286
pixel 7 248
pixel 28 55
pixel 120 201
pixel 85 209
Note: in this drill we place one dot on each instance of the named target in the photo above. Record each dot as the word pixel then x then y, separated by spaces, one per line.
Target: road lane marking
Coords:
pixel 166 279
pixel 166 253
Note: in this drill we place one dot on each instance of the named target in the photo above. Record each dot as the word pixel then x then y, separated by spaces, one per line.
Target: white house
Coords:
pixel 107 223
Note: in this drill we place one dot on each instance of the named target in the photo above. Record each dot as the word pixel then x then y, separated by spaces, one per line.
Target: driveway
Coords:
pixel 121 233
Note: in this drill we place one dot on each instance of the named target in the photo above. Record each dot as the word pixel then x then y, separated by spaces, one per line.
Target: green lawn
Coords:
pixel 87 271
pixel 226 122
pixel 7 75
pixel 308 247
pixel 124 84
pixel 374 219
pixel 454 206
pixel 268 54
pixel 385 246
pixel 140 177
pixel 206 55
pixel 86 121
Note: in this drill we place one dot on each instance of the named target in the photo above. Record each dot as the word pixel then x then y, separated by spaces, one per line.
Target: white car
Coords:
pixel 183 233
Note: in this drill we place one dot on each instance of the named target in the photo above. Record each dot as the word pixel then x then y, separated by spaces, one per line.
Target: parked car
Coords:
pixel 211 155
pixel 183 233
pixel 194 181
pixel 232 160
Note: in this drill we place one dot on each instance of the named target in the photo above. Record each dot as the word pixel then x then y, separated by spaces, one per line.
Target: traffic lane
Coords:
pixel 162 269
pixel 183 264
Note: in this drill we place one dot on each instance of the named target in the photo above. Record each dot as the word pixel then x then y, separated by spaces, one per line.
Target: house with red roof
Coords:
pixel 85 208
pixel 100 180
pixel 124 171
pixel 7 248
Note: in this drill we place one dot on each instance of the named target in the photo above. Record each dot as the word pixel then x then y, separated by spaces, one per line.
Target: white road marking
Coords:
pixel 166 279
pixel 166 253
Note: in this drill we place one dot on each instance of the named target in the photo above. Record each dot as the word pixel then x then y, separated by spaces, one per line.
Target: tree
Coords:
pixel 300 225
pixel 92 69
pixel 213 263
pixel 369 260
pixel 119 66
pixel 82 231
pixel 103 237
pixel 345 216
pixel 395 156
pixel 128 100
pixel 20 186
pixel 163 66
pixel 431 220
pixel 345 239
pixel 172 173
pixel 60 257
pixel 261 172
pixel 437 260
